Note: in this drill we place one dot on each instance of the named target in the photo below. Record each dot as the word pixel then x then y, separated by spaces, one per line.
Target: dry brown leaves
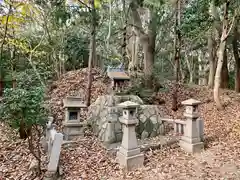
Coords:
pixel 14 156
pixel 220 160
pixel 74 83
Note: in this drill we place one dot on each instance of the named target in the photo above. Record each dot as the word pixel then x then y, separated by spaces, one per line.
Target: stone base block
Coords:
pixel 72 130
pixel 191 148
pixel 131 162
pixel 50 176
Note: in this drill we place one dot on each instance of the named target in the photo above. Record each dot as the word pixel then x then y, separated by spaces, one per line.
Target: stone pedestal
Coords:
pixel 129 155
pixel 191 140
pixel 74 129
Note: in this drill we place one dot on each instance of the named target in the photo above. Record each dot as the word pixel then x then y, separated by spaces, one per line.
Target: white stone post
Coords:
pixel 55 152
pixel 191 141
pixel 129 155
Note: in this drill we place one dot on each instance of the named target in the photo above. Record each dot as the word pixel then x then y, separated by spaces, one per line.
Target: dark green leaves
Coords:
pixel 24 103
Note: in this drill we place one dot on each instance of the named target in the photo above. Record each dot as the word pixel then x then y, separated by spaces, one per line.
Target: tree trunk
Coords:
pixel 149 50
pixel 92 52
pixel 202 69
pixel 224 75
pixel 217 81
pixel 222 47
pixel 177 45
pixel 1 51
pixel 124 38
pixel 13 51
pixel 237 60
pixel 212 59
pixel 190 69
pixel 147 39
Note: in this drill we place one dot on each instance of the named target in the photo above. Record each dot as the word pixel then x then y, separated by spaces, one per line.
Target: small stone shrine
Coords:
pixel 73 125
pixel 118 77
pixel 129 155
pixel 191 141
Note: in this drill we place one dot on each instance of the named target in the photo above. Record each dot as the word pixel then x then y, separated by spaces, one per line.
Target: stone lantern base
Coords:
pixel 132 160
pixel 72 130
pixel 191 147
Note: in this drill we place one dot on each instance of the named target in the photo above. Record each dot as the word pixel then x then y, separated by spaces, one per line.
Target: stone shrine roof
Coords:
pixel 73 102
pixel 118 76
pixel 128 104
pixel 191 102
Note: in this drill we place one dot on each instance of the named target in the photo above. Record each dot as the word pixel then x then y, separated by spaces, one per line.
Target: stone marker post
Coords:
pixel 55 143
pixel 55 152
pixel 191 140
pixel 129 155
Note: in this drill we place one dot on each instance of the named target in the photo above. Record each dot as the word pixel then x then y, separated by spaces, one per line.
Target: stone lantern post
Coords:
pixel 191 140
pixel 129 155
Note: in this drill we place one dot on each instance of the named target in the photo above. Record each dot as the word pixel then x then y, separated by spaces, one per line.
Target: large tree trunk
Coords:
pixel 212 59
pixel 92 52
pixel 237 59
pixel 222 47
pixel 147 39
pixel 149 50
pixel 214 34
pixel 133 45
pixel 225 75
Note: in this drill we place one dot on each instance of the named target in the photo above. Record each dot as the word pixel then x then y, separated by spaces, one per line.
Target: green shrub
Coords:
pixel 22 108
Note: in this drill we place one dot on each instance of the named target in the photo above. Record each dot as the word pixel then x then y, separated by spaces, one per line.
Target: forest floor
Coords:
pixel 88 160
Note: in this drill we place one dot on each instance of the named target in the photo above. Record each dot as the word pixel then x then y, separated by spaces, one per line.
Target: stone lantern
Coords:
pixel 129 155
pixel 191 141
pixel 73 125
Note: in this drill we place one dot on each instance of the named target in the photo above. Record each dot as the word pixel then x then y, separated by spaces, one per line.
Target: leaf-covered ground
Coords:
pixel 88 160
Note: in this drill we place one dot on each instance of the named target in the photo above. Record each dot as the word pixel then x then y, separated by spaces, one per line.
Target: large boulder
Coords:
pixel 104 115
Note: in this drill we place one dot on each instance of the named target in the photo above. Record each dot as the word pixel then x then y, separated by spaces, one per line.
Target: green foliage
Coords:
pixel 59 13
pixel 156 4
pixel 27 80
pixel 21 105
pixel 25 103
pixel 76 49
pixel 196 18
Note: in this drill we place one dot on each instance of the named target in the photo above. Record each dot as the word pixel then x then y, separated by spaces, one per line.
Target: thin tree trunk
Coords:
pixel 1 51
pixel 237 60
pixel 177 45
pixel 222 47
pixel 190 69
pixel 13 51
pixel 124 39
pixel 92 52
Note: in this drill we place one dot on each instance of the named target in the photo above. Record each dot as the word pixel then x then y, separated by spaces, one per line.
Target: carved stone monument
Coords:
pixel 73 126
pixel 191 140
pixel 129 155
